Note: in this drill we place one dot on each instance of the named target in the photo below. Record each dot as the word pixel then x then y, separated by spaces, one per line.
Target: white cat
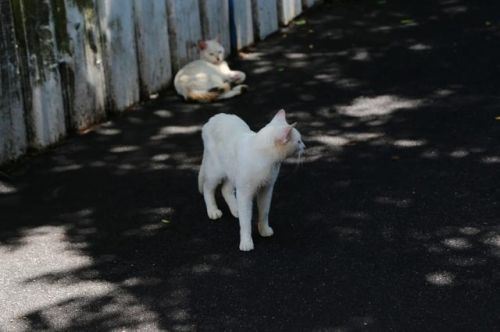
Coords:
pixel 247 164
pixel 209 78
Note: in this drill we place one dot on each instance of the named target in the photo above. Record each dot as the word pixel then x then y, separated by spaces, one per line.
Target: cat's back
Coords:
pixel 197 75
pixel 196 67
pixel 224 128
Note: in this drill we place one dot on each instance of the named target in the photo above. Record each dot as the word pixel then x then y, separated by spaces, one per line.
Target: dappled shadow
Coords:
pixel 390 223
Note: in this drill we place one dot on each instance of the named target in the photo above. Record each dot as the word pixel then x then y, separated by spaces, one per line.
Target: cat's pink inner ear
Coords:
pixel 202 44
pixel 284 135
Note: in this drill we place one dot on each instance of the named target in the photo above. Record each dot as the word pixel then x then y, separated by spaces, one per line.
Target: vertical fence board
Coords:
pixel 184 31
pixel 288 10
pixel 243 24
pixel 310 3
pixel 118 37
pixel 39 66
pixel 81 66
pixel 153 49
pixel 265 14
pixel 12 128
pixel 215 20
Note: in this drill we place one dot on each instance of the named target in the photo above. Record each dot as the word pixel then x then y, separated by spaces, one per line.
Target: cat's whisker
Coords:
pixel 300 159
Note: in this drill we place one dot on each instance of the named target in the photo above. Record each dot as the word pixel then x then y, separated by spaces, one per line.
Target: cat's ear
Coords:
pixel 280 117
pixel 284 135
pixel 202 44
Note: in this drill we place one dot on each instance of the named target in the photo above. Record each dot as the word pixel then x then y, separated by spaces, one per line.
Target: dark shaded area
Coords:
pixel 391 223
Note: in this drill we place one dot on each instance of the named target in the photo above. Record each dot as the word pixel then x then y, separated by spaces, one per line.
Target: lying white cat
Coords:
pixel 209 78
pixel 247 163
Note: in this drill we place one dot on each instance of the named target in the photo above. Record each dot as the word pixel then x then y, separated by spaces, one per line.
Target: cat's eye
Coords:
pixel 211 54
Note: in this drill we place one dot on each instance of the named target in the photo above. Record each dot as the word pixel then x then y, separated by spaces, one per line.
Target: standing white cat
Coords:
pixel 209 78
pixel 247 164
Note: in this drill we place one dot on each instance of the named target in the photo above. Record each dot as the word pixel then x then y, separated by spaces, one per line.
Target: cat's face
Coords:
pixel 287 139
pixel 211 51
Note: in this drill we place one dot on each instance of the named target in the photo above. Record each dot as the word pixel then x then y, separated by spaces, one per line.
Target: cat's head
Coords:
pixel 211 51
pixel 285 138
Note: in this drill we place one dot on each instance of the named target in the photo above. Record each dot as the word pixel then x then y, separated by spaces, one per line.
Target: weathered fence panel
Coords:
pixel 288 10
pixel 65 63
pixel 215 21
pixel 81 62
pixel 243 24
pixel 184 31
pixel 310 3
pixel 12 128
pixel 119 52
pixel 265 17
pixel 153 49
pixel 39 66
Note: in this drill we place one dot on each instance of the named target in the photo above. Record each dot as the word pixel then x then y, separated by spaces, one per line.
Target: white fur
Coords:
pixel 247 164
pixel 209 78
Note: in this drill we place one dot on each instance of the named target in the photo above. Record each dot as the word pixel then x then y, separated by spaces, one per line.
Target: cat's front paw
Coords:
pixel 214 214
pixel 238 77
pixel 246 244
pixel 265 231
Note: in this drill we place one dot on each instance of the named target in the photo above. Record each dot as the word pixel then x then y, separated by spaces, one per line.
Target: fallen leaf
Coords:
pixel 165 221
pixel 300 22
pixel 497 118
pixel 407 21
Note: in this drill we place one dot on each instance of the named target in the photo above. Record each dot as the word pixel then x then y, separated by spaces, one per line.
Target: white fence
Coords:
pixel 65 64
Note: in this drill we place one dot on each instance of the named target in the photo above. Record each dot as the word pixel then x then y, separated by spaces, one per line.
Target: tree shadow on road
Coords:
pixel 389 223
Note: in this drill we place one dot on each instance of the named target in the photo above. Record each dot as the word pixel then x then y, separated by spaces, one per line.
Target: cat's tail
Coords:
pixel 201 176
pixel 237 90
pixel 202 96
pixel 207 96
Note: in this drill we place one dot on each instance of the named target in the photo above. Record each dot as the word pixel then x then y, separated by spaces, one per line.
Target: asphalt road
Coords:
pixel 391 223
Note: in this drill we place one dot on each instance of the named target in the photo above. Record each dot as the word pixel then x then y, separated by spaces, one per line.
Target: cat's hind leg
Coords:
pixel 209 187
pixel 210 178
pixel 237 90
pixel 230 197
